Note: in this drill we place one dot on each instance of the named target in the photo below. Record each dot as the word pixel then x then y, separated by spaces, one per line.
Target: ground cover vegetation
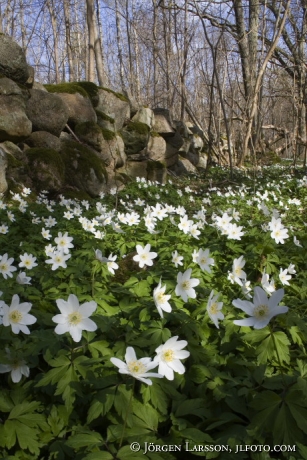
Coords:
pixel 162 314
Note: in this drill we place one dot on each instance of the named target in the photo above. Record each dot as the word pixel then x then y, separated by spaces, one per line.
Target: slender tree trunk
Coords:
pixel 119 47
pixel 91 40
pixel 69 49
pixel 53 18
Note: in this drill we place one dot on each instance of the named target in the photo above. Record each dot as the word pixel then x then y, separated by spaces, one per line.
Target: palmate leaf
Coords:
pixel 145 416
pixel 26 436
pixel 89 440
pixel 266 350
pixel 156 396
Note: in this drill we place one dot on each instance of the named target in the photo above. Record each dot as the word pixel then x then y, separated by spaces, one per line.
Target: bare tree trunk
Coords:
pixel 51 9
pixel 254 101
pixel 154 50
pixel 91 40
pixel 68 41
pixel 119 47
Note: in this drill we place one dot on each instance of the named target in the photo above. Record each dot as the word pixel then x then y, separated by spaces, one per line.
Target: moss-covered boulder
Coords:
pixel 46 168
pixel 79 108
pixel 108 145
pixel 135 136
pixel 47 112
pixel 157 171
pixel 83 168
pixel 13 62
pixel 17 167
pixel 134 169
pixel 43 139
pixel 144 115
pixel 183 167
pixel 15 126
pixel 113 105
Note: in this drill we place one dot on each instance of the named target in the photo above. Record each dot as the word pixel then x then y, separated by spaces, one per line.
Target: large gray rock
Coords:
pixel 83 168
pixel 135 169
pixel 163 123
pixel 135 136
pixel 79 108
pixel 145 115
pixel 46 169
pixel 156 148
pixel 156 171
pixel 183 167
pixel 9 88
pixel 15 126
pixel 13 62
pixel 113 105
pixel 107 145
pixel 47 112
pixel 43 139
pixel 3 166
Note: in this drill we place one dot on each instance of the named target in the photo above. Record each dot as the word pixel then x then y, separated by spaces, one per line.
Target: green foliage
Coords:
pixel 241 386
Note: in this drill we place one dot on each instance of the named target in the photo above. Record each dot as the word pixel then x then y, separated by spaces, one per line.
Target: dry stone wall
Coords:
pixel 78 137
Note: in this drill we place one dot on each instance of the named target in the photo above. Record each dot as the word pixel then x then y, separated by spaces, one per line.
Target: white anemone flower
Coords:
pixel 27 261
pixel 58 259
pixel 21 278
pixel 17 316
pixel 185 285
pixel 214 308
pixel 284 277
pixel 204 260
pixel 169 355
pixel 64 242
pixel 17 368
pixel 161 299
pixel 5 266
pixel 144 256
pixel 137 368
pixel 74 318
pixel 262 310
pixel 177 259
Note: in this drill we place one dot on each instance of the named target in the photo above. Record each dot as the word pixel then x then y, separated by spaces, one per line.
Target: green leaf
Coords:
pixel 101 455
pixel 126 453
pixel 276 346
pixel 195 435
pixel 191 406
pixel 146 414
pixel 6 404
pixel 89 440
pixel 23 408
pixel 102 403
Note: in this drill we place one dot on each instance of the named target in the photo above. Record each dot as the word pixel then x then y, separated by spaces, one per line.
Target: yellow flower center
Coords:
pixel 185 285
pixel 136 367
pixel 213 309
pixel 161 297
pixel 74 318
pixel 261 311
pixel 3 267
pixel 168 355
pixel 15 316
